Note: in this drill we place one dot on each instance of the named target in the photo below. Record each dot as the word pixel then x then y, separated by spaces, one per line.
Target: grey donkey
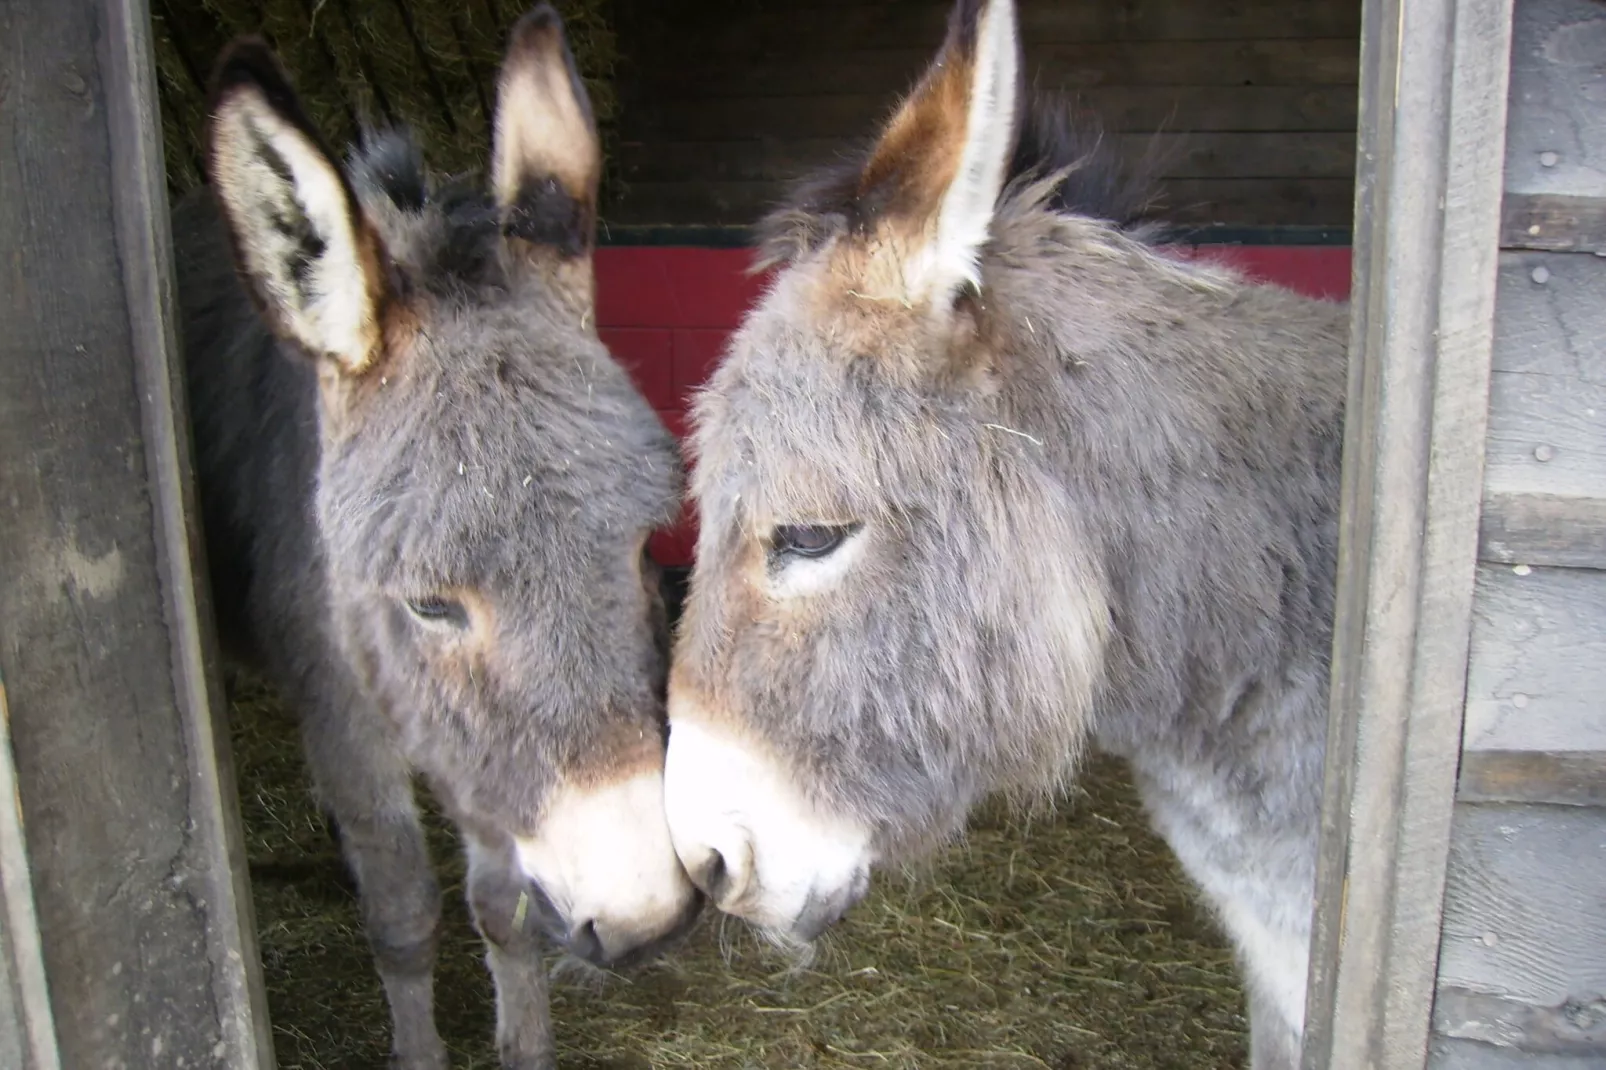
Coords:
pixel 426 489
pixel 987 477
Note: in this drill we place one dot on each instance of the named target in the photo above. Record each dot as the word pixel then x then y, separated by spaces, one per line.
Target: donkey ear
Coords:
pixel 309 256
pixel 941 162
pixel 546 159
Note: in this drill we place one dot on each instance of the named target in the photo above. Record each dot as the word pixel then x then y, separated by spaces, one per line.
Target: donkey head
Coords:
pixel 892 611
pixel 488 475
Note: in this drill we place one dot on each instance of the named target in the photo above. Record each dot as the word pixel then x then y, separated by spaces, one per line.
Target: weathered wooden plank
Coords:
pixel 1558 99
pixel 776 27
pixel 1184 156
pixel 1553 223
pixel 144 927
pixel 1320 202
pixel 1523 958
pixel 1536 678
pixel 698 71
pixel 1543 529
pixel 27 1027
pixel 1122 108
pixel 1547 403
pixel 1561 778
pixel 1445 1053
pixel 1432 132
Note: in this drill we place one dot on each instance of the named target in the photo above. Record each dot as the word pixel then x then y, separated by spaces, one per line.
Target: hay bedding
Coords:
pixel 1061 943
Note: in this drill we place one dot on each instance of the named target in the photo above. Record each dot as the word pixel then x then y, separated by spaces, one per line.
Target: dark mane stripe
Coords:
pixel 1055 135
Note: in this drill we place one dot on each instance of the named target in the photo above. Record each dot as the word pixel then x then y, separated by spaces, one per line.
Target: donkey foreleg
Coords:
pixel 505 909
pixel 366 786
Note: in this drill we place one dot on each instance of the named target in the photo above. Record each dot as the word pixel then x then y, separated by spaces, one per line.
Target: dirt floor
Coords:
pixel 1064 942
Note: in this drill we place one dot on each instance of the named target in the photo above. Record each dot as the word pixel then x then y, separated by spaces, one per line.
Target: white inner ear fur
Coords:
pixel 797 577
pixel 950 259
pixel 330 311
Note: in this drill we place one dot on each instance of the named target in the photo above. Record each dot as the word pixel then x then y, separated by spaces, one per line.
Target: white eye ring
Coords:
pixel 795 573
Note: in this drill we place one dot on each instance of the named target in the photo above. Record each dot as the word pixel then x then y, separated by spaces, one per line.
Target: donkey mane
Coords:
pixel 461 252
pixel 1059 142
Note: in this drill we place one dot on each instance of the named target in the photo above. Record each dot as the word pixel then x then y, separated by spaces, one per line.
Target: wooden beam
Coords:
pixel 115 703
pixel 27 1027
pixel 1544 529
pixel 1432 130
pixel 1537 670
pixel 1553 222
pixel 1558 778
pixel 1557 132
pixel 1524 922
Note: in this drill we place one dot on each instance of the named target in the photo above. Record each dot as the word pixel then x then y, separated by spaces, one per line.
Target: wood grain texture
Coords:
pixel 1547 402
pixel 1270 202
pixel 1558 99
pixel 27 1025
pixel 920 23
pixel 1445 1053
pixel 725 97
pixel 1553 222
pixel 1561 778
pixel 1433 121
pixel 1184 156
pixel 1543 529
pixel 1536 677
pixel 142 923
pixel 1142 109
pixel 1523 961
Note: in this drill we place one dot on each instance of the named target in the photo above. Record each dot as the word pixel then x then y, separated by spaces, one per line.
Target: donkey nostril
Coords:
pixel 713 877
pixel 584 942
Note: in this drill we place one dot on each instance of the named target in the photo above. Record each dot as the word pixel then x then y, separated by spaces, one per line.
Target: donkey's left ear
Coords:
pixel 546 160
pixel 941 162
pixel 301 241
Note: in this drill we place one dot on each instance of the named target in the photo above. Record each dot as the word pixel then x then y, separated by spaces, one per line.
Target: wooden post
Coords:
pixel 134 853
pixel 1432 119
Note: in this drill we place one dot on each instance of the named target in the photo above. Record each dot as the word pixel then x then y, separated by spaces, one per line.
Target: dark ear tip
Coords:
pixel 538 27
pixel 248 62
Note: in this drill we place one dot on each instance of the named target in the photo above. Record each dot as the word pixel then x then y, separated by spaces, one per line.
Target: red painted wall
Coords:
pixel 666 313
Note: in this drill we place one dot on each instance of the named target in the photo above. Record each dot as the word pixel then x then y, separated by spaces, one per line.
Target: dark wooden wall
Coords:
pixel 724 100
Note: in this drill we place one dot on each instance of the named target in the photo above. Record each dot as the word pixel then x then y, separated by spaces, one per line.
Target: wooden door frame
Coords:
pixel 1434 77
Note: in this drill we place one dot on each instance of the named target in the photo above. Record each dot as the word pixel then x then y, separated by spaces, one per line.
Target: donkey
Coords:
pixel 427 490
pixel 985 478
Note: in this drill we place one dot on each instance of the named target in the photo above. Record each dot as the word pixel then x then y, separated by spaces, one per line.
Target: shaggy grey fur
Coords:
pixel 1099 506
pixel 505 458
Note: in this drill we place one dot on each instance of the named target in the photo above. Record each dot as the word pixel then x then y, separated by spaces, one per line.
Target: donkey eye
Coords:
pixel 434 610
pixel 809 540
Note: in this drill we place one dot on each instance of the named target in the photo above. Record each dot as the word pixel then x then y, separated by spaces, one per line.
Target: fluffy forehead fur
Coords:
pixel 501 414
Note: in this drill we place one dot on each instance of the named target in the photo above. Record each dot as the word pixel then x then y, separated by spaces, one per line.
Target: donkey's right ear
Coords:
pixel 546 157
pixel 311 259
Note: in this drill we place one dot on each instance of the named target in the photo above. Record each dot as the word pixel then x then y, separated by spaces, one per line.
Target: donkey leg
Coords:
pixel 364 783
pixel 1273 1042
pixel 504 912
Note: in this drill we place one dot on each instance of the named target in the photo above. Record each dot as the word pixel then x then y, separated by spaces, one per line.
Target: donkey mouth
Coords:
pixel 583 942
pixel 822 912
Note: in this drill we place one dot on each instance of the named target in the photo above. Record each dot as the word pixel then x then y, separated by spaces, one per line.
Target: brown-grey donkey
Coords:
pixel 427 489
pixel 987 477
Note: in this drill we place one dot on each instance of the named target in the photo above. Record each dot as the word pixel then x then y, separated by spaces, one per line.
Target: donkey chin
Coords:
pixel 609 887
pixel 753 843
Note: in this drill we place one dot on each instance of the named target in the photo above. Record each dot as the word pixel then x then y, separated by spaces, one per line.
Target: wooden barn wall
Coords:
pixel 1522 969
pixel 1254 102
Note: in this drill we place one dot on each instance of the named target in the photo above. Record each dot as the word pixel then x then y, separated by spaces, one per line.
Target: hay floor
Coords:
pixel 1066 942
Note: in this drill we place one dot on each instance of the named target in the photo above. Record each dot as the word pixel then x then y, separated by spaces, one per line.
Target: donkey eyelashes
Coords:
pixel 437 611
pixel 808 540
